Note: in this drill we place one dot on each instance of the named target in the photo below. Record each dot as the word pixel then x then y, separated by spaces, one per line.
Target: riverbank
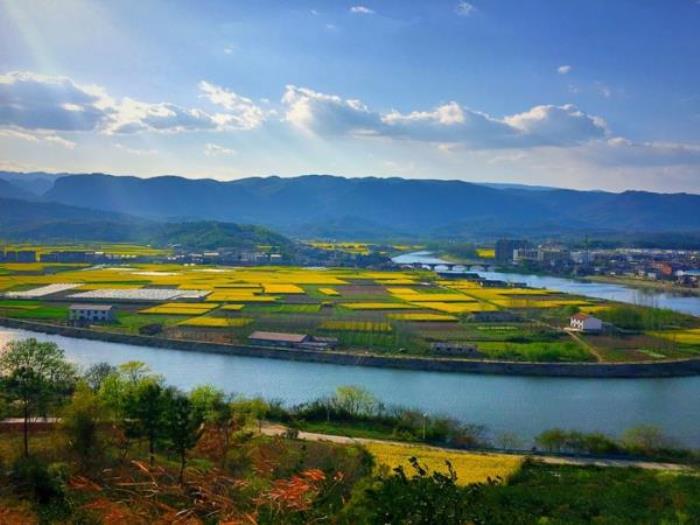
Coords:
pixel 632 370
pixel 660 286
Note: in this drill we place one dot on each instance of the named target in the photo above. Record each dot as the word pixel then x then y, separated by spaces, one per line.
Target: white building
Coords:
pixel 585 323
pixel 91 313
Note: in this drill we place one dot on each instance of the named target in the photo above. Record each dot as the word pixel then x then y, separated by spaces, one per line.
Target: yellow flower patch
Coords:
pixel 688 337
pixel 217 322
pixel 282 288
pixel 471 467
pixel 233 307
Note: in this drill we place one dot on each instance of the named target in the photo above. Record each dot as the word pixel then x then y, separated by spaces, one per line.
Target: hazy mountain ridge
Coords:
pixel 396 205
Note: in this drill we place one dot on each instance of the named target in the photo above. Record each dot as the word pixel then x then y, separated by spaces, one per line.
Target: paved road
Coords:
pixel 276 430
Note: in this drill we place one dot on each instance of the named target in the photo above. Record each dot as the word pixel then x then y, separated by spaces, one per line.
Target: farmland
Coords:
pixel 380 311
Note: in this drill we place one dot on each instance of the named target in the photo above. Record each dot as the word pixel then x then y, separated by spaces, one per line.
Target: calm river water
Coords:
pixel 524 405
pixel 689 304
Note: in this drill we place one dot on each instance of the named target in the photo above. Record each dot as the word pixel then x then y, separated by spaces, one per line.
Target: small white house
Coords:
pixel 91 313
pixel 585 323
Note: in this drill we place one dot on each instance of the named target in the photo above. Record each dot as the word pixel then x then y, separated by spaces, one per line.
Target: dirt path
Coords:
pixel 277 430
pixel 581 341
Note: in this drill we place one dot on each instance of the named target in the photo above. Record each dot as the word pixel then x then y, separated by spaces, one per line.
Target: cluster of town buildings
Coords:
pixel 679 266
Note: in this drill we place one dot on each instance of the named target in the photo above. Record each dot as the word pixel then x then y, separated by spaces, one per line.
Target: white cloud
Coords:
pixel 33 101
pixel 228 50
pixel 361 10
pixel 36 137
pixel 558 125
pixel 464 8
pixel 565 69
pixel 215 150
pixel 330 115
pixel 242 112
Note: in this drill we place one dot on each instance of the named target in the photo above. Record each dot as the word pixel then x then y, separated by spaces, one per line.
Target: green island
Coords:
pixel 384 312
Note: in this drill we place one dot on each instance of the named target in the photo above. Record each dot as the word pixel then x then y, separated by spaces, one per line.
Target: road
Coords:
pixel 277 430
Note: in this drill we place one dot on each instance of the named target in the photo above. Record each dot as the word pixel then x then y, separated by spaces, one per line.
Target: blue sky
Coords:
pixel 577 93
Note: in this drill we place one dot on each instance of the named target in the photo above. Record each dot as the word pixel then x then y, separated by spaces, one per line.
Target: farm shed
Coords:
pixel 91 313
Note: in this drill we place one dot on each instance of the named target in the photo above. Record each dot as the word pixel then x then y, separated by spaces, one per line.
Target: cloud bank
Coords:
pixel 323 114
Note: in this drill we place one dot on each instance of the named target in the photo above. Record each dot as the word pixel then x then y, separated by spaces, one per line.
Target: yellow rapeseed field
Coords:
pixel 282 288
pixel 435 297
pixel 233 307
pixel 217 322
pixel 486 253
pixel 689 337
pixel 471 467
pixel 329 291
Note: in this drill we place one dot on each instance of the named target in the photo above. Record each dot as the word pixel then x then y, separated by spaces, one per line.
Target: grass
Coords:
pixel 471 467
pixel 573 495
pixel 41 313
pixel 536 352
pixel 356 326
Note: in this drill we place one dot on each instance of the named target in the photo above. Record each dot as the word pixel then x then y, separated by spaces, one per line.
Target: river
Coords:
pixel 523 405
pixel 689 304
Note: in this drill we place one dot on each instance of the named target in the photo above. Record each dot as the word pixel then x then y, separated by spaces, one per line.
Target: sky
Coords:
pixel 586 94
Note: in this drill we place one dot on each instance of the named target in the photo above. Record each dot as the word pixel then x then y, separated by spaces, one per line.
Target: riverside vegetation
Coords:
pixel 383 312
pixel 121 446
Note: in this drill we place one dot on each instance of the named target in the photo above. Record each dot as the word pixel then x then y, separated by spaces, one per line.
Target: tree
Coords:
pixel 144 409
pixel 216 411
pixel 552 440
pixel 646 439
pixel 81 420
pixel 96 374
pixel 183 425
pixel 35 375
pixel 355 400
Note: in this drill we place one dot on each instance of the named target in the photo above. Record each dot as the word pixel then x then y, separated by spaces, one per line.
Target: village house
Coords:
pixel 287 340
pixel 91 313
pixel 585 323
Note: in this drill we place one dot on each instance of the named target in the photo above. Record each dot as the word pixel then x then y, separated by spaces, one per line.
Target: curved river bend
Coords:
pixel 524 405
pixel 689 304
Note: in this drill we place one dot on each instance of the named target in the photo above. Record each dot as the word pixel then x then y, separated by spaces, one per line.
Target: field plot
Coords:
pixel 180 308
pixel 458 308
pixel 356 326
pixel 282 289
pixel 689 337
pixel 140 294
pixel 217 322
pixel 377 306
pixel 470 467
pixel 428 318
pixel 42 291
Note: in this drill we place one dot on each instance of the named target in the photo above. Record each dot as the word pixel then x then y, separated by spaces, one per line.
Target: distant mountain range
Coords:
pixel 330 206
